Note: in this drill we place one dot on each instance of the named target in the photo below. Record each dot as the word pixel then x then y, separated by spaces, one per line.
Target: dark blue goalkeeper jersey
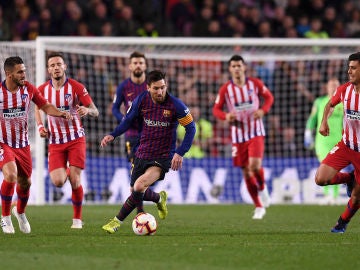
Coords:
pixel 158 126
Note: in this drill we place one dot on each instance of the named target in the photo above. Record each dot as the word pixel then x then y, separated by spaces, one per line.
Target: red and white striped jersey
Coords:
pixel 351 123
pixel 71 94
pixel 244 101
pixel 14 112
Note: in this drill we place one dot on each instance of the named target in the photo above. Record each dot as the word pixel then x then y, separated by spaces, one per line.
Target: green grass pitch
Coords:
pixel 191 237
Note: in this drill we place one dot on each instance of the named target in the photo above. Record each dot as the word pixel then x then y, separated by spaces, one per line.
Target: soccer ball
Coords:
pixel 144 224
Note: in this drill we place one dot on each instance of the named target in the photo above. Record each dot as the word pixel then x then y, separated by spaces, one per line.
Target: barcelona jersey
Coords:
pixel 158 124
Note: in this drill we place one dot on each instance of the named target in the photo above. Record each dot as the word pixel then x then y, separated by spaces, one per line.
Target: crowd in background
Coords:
pixel 295 84
pixel 27 19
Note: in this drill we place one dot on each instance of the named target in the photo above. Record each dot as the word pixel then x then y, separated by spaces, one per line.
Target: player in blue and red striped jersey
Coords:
pixel 242 96
pixel 347 151
pixel 15 157
pixel 66 138
pixel 126 92
pixel 159 114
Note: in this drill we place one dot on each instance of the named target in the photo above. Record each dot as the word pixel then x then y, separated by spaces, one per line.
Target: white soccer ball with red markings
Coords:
pixel 144 224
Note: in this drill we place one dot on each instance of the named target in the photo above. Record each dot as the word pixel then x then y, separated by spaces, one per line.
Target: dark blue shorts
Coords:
pixel 141 165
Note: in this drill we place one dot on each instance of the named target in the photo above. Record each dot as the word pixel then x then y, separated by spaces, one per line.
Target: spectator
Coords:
pixel 295 8
pixel 107 29
pixel 329 19
pixel 83 30
pixel 316 30
pixel 181 17
pixel 288 23
pixel 39 6
pixel 277 21
pixel 200 26
pixel 116 10
pixel 182 14
pixel 315 8
pixel 303 25
pixel 46 24
pixel 339 30
pixel 353 27
pixel 265 30
pixel 147 30
pixel 22 24
pixel 98 18
pixel 5 32
pixel 214 29
pixel 291 33
pixel 242 13
pixel 33 29
pixel 222 13
pixel 72 17
pixel 126 26
pixel 253 22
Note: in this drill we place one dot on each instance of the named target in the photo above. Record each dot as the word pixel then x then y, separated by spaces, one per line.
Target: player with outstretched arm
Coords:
pixel 15 157
pixel 347 150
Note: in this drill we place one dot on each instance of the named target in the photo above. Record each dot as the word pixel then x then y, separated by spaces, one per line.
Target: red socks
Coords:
pixel 252 187
pixel 340 178
pixel 77 199
pixel 7 192
pixel 350 211
pixel 23 197
pixel 260 178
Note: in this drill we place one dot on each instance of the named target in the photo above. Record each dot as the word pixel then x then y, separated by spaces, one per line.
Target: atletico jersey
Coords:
pixel 158 126
pixel 351 121
pixel 126 92
pixel 244 101
pixel 14 112
pixel 71 94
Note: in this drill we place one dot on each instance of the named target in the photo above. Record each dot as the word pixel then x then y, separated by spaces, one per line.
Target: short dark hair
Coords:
pixel 354 56
pixel 236 57
pixel 55 54
pixel 11 61
pixel 154 76
pixel 137 54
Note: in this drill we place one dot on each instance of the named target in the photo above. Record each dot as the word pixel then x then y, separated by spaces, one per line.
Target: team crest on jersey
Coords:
pixel 166 113
pixel 250 92
pixel 67 97
pixel 24 97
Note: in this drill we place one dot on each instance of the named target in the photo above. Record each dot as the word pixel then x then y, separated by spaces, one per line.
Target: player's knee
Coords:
pixel 320 181
pixel 11 177
pixel 58 182
pixel 139 186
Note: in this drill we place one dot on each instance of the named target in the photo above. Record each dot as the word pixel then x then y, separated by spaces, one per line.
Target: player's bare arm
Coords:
pixel 50 109
pixel 106 140
pixel 90 110
pixel 43 132
pixel 324 127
